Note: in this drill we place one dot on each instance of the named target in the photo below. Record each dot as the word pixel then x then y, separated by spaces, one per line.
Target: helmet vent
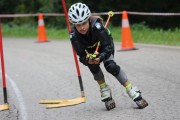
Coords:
pixel 86 18
pixel 82 14
pixel 73 8
pixel 77 11
pixel 74 16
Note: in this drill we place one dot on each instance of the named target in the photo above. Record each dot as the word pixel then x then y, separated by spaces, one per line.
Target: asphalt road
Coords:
pixel 42 71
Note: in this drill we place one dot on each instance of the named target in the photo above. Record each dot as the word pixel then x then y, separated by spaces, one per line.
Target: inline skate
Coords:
pixel 106 96
pixel 135 94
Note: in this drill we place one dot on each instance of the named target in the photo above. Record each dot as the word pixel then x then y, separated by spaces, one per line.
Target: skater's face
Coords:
pixel 83 28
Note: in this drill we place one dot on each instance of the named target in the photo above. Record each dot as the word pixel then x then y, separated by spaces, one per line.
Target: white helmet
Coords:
pixel 79 13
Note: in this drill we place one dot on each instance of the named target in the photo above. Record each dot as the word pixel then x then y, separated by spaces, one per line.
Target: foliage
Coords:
pixel 54 6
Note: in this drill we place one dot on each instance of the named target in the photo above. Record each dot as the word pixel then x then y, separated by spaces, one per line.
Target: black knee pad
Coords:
pixel 94 68
pixel 112 68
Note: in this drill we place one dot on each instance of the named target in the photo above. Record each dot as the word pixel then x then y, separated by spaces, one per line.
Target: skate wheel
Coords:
pixel 142 104
pixel 110 104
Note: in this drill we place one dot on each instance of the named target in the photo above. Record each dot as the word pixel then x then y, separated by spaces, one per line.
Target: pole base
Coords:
pixel 127 49
pixel 4 107
pixel 63 103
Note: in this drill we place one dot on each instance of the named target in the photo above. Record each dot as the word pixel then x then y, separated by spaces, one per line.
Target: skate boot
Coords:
pixel 135 94
pixel 106 96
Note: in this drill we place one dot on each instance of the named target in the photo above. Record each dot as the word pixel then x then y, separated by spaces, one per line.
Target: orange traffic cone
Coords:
pixel 127 42
pixel 41 29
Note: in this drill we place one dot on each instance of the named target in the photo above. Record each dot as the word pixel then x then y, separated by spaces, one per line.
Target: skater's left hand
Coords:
pixel 97 60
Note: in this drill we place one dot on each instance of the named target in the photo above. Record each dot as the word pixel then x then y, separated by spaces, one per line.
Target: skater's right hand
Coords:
pixel 97 60
pixel 90 58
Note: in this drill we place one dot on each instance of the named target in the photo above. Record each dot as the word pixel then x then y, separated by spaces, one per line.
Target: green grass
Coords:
pixel 27 31
pixel 140 34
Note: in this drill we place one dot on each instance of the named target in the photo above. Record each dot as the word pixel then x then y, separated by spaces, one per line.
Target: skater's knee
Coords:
pixel 112 68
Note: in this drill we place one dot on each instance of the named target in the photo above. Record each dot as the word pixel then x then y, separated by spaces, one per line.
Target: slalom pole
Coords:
pixel 110 14
pixel 74 53
pixel 75 101
pixel 5 106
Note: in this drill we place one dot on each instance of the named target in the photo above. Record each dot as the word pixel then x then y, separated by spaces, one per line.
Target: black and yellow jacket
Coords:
pixel 97 33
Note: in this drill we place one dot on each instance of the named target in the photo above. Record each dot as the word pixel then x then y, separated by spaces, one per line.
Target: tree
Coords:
pixel 54 6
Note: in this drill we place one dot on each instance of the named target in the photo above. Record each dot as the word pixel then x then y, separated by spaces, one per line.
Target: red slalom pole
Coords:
pixel 74 52
pixel 110 14
pixel 5 106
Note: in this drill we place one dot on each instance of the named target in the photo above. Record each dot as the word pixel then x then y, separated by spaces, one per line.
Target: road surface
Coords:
pixel 42 71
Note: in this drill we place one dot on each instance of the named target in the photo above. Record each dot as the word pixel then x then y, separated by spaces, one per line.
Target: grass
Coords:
pixel 143 34
pixel 27 31
pixel 140 34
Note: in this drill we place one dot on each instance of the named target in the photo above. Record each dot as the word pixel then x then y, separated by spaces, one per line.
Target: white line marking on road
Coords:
pixel 20 98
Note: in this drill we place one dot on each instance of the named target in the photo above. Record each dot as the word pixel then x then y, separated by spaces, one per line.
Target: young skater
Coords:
pixel 87 34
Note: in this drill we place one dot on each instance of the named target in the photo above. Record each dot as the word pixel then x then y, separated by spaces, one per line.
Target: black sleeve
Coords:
pixel 105 41
pixel 79 48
